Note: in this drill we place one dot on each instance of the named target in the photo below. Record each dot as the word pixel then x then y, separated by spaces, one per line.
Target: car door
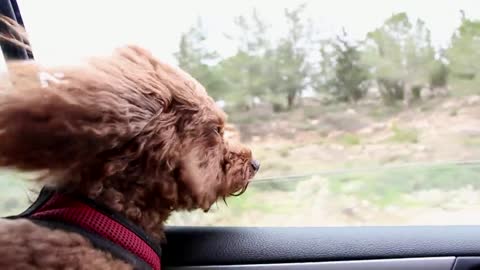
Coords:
pixel 429 247
pixel 285 246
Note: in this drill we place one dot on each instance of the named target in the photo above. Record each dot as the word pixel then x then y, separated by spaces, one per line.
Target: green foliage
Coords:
pixel 400 56
pixel 387 187
pixel 276 72
pixel 391 90
pixel 323 77
pixel 349 139
pixel 403 135
pixel 439 75
pixel 194 58
pixel 347 79
pixel 247 73
pixel 463 55
pixel 242 74
pixel 472 141
pixel 397 57
pixel 289 71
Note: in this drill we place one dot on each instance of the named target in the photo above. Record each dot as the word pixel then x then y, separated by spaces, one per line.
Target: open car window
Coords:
pixel 358 118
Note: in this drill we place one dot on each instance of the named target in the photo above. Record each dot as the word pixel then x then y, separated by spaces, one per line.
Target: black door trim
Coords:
pixel 10 9
pixel 436 263
pixel 193 246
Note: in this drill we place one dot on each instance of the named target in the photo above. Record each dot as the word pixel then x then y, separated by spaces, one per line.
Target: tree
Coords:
pixel 244 77
pixel 289 70
pixel 463 55
pixel 341 73
pixel 246 72
pixel 401 57
pixel 261 68
pixel 252 34
pixel 439 75
pixel 323 78
pixel 196 59
pixel 351 76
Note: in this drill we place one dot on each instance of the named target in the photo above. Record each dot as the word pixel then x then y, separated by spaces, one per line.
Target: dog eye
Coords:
pixel 218 130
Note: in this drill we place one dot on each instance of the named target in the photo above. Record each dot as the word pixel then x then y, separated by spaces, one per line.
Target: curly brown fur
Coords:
pixel 127 131
pixel 27 246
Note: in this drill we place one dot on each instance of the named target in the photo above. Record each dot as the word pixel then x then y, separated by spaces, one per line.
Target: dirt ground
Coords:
pixel 324 144
pixel 342 165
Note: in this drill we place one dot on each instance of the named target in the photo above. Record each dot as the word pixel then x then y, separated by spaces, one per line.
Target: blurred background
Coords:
pixel 361 112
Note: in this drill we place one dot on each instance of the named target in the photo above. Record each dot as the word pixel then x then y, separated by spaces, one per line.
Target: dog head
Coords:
pixel 127 127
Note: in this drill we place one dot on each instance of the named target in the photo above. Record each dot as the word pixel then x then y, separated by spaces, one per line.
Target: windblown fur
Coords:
pixel 128 131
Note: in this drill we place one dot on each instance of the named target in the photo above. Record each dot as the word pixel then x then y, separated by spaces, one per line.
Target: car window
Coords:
pixel 16 192
pixel 361 112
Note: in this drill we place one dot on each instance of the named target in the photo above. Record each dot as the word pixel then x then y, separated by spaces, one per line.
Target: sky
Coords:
pixel 62 31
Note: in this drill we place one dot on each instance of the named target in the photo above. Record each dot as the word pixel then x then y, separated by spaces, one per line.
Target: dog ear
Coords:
pixel 62 118
pixel 54 119
pixel 59 119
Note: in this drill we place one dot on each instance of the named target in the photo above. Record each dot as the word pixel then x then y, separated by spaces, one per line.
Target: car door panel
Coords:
pixel 440 263
pixel 230 246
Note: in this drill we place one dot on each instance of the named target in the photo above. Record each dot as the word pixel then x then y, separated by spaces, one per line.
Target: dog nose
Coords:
pixel 255 165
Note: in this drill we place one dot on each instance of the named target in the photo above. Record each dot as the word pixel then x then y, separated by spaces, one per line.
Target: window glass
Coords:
pixel 361 112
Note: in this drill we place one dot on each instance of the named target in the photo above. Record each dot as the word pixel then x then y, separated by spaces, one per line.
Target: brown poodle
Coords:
pixel 129 132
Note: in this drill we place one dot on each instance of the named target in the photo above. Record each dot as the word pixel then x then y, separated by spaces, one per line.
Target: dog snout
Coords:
pixel 255 165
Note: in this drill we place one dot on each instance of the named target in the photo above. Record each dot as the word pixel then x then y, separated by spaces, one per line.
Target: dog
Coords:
pixel 127 134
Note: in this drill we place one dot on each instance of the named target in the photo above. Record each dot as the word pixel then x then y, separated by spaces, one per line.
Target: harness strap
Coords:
pixel 98 242
pixel 106 230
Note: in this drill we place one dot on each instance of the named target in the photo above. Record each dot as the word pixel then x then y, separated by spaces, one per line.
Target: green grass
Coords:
pixel 382 112
pixel 349 139
pixel 472 141
pixel 267 203
pixel 245 202
pixel 403 135
pixel 390 186
pixel 462 88
pixel 279 168
pixel 380 188
pixel 252 199
pixel 284 151
pixel 248 117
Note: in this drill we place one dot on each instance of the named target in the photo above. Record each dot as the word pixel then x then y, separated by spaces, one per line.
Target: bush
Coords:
pixel 401 135
pixel 349 139
pixel 439 75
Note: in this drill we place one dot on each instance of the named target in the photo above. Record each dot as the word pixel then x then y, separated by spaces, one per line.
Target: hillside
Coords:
pixel 345 165
pixel 342 165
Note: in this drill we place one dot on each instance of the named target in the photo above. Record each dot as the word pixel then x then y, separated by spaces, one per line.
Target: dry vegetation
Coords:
pixel 349 166
pixel 342 165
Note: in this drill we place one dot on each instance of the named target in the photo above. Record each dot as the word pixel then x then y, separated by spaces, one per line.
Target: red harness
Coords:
pixel 106 230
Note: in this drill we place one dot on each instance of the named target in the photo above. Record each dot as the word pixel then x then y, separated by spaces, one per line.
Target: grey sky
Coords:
pixel 68 30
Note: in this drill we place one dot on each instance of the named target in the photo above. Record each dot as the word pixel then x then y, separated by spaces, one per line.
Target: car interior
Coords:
pixel 304 248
